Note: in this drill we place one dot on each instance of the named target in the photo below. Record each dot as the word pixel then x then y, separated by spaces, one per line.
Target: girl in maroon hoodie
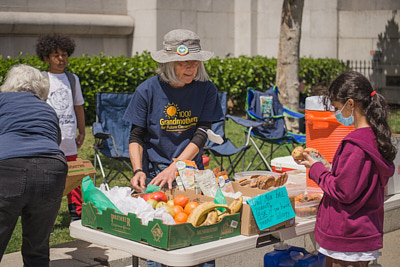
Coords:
pixel 349 223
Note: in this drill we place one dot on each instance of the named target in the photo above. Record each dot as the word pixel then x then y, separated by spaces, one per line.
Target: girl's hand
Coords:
pixel 324 161
pixel 310 160
pixel 167 176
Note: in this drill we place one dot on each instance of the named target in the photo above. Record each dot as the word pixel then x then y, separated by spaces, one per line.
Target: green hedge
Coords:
pixel 234 75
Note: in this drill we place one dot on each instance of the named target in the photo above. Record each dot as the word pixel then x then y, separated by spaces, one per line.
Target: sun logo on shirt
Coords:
pixel 171 110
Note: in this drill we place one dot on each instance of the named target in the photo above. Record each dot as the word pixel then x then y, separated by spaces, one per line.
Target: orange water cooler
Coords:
pixel 323 131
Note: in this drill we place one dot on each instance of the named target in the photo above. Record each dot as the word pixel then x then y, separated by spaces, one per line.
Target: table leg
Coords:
pixel 135 261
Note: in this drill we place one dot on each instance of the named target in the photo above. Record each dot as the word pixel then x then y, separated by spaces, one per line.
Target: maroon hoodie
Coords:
pixel 350 215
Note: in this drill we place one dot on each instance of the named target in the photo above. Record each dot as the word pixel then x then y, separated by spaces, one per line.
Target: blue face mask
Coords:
pixel 345 121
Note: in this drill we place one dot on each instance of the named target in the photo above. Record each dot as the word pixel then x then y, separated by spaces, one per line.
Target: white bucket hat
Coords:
pixel 181 45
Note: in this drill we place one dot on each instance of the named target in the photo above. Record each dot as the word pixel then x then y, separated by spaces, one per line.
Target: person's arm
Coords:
pixel 350 178
pixel 136 142
pixel 168 175
pixel 80 117
pixel 138 180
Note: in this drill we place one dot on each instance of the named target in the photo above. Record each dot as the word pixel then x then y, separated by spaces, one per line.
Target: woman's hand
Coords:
pixel 138 182
pixel 167 176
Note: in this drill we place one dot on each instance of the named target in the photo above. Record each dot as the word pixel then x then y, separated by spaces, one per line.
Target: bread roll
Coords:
pixel 297 153
pixel 311 150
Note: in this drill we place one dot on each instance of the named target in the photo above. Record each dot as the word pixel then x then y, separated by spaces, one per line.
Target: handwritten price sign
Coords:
pixel 271 208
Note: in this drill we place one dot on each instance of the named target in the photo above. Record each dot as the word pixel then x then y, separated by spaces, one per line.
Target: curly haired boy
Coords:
pixel 65 96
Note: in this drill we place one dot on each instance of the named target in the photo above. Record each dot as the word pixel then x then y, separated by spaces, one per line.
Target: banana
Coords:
pixel 236 205
pixel 212 217
pixel 222 215
pixel 199 214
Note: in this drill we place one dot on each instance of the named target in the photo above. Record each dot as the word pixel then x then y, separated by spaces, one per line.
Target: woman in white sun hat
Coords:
pixel 170 111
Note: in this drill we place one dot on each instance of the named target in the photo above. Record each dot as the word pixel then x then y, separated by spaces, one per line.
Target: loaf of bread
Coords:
pixel 297 153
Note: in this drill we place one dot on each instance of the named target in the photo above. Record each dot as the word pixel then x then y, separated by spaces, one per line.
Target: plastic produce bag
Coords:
pixel 220 199
pixel 151 188
pixel 95 196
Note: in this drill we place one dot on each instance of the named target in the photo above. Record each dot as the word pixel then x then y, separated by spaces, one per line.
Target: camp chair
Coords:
pixel 227 149
pixel 266 122
pixel 298 138
pixel 111 134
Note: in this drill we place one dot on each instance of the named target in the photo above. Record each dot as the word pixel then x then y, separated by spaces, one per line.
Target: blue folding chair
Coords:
pixel 111 134
pixel 266 122
pixel 227 149
pixel 298 138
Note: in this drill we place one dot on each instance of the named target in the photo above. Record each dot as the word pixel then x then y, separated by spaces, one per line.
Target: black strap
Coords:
pixel 138 170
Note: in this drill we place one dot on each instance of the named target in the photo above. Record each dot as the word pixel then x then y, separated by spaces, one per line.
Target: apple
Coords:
pixel 170 210
pixel 152 202
pixel 170 203
pixel 161 204
pixel 159 196
pixel 147 196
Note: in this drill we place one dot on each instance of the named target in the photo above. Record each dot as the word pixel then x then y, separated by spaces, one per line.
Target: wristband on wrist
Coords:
pixel 138 170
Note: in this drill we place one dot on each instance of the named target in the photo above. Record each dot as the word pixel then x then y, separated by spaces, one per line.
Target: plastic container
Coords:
pixel 285 164
pixel 313 260
pixel 297 177
pixel 248 174
pixel 308 208
pixel 291 256
pixel 296 182
pixel 323 131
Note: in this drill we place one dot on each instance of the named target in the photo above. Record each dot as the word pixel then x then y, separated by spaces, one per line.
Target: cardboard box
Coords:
pixel 156 233
pixel 76 171
pixel 393 185
pixel 248 223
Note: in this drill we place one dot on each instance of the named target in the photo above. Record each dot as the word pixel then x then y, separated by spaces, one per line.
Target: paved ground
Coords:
pixel 83 254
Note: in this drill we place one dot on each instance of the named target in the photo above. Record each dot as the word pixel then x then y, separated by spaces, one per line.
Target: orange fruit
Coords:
pixel 190 207
pixel 181 200
pixel 177 209
pixel 180 217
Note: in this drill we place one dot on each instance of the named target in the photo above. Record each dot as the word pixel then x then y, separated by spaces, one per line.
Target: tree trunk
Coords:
pixel 287 73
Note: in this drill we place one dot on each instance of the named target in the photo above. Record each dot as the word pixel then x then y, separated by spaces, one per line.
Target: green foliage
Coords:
pixel 320 72
pixel 233 75
pixel 110 74
pixel 96 74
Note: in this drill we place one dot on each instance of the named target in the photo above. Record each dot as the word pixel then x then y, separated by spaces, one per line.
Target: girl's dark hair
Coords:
pixel 351 84
pixel 47 43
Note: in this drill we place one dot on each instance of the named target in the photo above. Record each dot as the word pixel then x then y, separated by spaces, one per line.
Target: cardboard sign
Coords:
pixel 271 208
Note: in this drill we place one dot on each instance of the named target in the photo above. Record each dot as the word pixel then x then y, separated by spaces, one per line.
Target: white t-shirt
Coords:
pixel 350 256
pixel 60 98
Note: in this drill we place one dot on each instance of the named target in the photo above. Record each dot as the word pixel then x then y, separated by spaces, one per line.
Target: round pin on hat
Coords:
pixel 181 45
pixel 182 50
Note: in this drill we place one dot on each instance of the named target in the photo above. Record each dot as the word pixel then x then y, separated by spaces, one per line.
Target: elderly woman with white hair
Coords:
pixel 32 167
pixel 171 113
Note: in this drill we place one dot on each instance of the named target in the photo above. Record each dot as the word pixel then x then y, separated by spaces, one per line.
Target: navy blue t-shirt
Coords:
pixel 28 126
pixel 170 116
